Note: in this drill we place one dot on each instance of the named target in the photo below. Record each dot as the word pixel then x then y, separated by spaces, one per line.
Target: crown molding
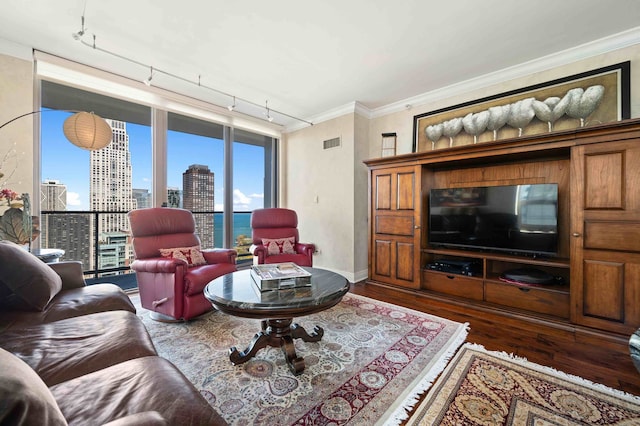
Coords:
pixel 558 59
pixel 565 57
pixel 350 108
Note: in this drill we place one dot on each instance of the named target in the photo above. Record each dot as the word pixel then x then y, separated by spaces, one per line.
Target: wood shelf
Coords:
pixel 539 261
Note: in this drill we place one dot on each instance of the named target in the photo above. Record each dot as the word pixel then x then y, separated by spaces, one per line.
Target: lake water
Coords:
pixel 241 226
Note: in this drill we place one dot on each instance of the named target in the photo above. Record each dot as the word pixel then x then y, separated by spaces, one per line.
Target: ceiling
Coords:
pixel 307 58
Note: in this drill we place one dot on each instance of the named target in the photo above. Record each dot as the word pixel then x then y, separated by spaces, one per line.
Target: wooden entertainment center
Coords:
pixel 597 170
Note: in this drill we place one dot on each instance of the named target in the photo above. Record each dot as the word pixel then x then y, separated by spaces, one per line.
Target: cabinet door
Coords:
pixel 395 226
pixel 605 230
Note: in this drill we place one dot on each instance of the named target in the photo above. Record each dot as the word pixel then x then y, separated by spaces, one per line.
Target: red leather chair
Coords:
pixel 168 286
pixel 277 228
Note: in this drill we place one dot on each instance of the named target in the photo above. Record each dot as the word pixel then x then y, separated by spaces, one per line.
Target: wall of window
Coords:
pixel 219 173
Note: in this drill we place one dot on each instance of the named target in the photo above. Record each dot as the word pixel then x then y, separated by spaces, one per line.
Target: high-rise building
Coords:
pixel 142 197
pixel 198 196
pixel 71 233
pixel 53 196
pixel 173 198
pixel 110 180
pixel 113 251
pixel 110 190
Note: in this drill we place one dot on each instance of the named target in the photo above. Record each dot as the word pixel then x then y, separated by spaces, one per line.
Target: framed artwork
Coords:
pixel 593 97
pixel 388 144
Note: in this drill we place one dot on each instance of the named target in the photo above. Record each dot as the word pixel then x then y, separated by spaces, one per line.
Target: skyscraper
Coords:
pixel 198 196
pixel 69 232
pixel 53 196
pixel 110 190
pixel 110 180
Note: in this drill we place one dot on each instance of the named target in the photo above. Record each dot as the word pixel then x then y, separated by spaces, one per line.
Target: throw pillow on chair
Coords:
pixel 279 245
pixel 192 255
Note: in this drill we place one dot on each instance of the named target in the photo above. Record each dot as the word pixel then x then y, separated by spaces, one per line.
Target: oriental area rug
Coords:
pixel 480 387
pixel 370 367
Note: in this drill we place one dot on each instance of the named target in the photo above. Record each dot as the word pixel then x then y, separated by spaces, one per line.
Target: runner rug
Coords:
pixel 480 387
pixel 371 365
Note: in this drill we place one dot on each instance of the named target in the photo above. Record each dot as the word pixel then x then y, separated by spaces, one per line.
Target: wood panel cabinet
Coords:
pixel 395 236
pixel 605 243
pixel 597 170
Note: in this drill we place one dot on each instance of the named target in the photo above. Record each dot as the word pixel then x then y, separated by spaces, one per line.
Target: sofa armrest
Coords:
pixel 146 418
pixel 213 256
pixel 71 273
pixel 158 265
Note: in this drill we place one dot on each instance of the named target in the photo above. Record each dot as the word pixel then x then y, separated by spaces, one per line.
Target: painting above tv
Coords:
pixel 517 219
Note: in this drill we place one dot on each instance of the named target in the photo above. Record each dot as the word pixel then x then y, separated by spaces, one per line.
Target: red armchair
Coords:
pixel 275 238
pixel 168 286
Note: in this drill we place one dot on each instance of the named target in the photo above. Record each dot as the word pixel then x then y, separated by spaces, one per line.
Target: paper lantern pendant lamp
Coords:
pixel 87 131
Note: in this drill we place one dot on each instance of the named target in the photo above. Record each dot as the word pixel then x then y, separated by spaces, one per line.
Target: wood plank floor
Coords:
pixel 575 350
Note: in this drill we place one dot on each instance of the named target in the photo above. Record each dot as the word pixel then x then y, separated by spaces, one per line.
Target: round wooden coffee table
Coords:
pixel 236 294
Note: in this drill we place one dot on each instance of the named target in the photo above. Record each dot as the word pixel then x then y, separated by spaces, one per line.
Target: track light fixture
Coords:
pixel 267 113
pixel 148 80
pixel 153 71
pixel 232 106
pixel 79 34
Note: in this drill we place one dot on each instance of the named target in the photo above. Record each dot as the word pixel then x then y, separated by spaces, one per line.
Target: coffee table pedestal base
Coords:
pixel 278 333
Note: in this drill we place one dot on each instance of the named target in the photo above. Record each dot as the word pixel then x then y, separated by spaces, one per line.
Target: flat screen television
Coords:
pixel 517 219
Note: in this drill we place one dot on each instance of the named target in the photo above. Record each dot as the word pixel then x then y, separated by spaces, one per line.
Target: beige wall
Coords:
pixel 16 138
pixel 325 187
pixel 402 122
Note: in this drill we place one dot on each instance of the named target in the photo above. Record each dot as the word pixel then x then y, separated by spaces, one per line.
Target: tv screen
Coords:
pixel 518 219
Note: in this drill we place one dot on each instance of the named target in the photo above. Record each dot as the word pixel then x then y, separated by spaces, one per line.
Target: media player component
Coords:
pixel 461 267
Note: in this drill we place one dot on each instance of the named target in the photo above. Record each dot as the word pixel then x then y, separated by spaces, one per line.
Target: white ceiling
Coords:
pixel 307 58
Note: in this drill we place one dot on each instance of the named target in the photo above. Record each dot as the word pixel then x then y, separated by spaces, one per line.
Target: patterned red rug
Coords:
pixel 370 366
pixel 492 388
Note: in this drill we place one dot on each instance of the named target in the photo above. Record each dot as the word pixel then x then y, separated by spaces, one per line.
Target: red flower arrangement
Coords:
pixel 9 195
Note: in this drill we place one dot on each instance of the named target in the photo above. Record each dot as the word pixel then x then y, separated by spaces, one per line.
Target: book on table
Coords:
pixel 287 294
pixel 278 276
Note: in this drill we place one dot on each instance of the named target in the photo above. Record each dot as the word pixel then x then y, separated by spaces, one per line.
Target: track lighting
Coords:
pixel 266 106
pixel 148 80
pixel 79 36
pixel 232 106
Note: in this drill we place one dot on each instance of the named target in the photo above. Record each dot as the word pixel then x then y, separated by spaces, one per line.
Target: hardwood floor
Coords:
pixel 598 357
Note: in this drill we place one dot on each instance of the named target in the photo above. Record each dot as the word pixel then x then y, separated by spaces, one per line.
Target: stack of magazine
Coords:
pixel 278 276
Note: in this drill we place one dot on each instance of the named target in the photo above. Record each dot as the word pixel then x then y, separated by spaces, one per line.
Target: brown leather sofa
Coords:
pixel 78 355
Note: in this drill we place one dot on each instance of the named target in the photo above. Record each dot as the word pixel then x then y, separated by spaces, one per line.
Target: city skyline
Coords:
pixel 111 191
pixel 70 166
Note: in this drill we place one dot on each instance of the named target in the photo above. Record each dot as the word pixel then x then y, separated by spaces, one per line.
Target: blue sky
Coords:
pixel 64 162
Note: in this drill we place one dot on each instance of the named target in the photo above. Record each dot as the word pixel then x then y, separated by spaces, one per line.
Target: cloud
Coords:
pixel 239 198
pixel 218 207
pixel 73 199
pixel 243 202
